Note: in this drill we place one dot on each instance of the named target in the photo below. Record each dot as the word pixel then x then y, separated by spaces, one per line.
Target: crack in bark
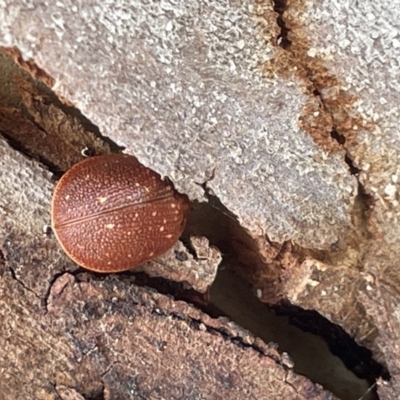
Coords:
pixel 282 40
pixel 109 368
pixel 290 384
pixel 2 260
pixel 280 6
pixel 317 77
pixel 14 276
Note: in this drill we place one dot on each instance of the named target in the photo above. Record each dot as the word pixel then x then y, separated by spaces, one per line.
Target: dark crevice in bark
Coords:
pixel 110 367
pixel 189 247
pixel 356 358
pixel 293 328
pixel 237 246
pixel 337 136
pixel 2 262
pixel 354 170
pixel 361 362
pixel 282 40
pixel 220 226
pixel 43 98
pixel 280 6
pixel 14 276
pixel 341 139
pixel 52 98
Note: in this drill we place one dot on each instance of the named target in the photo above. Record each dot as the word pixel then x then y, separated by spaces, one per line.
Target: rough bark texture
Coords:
pixel 106 336
pixel 283 115
pixel 123 342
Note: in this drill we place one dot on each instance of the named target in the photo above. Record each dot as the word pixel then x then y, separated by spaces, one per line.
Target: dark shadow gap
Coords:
pixel 282 40
pixel 341 139
pixel 357 358
pixel 318 355
pixel 338 137
pixel 353 169
pixel 232 296
pixel 321 351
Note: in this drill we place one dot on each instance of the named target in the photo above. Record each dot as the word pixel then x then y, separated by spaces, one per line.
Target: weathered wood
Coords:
pixel 286 111
pixel 106 336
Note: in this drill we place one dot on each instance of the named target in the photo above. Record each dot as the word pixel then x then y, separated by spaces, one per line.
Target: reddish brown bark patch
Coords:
pixel 334 108
pixel 29 66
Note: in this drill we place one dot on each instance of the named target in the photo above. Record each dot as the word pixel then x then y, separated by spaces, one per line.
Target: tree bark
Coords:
pixel 278 119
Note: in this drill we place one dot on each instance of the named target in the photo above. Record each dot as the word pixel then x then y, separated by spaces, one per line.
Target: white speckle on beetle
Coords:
pixel 161 228
pixel 102 199
pixel 110 226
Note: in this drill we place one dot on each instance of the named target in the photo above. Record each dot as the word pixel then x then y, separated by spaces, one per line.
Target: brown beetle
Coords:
pixel 110 213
